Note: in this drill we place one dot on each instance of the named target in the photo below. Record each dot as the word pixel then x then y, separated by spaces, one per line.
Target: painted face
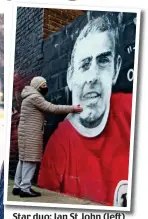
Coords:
pixel 93 77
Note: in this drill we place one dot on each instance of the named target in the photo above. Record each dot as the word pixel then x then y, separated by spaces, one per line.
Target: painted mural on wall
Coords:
pixel 93 155
pixel 57 53
pixel 90 61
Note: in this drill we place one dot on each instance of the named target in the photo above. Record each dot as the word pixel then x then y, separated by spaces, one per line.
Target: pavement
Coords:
pixel 47 197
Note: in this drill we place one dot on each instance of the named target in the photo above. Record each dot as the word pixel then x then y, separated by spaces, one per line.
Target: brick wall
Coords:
pixel 33 25
pixel 28 63
pixel 57 51
pixel 28 53
pixel 50 57
pixel 55 19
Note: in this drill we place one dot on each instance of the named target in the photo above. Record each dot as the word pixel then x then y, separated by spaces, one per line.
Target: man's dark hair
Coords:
pixel 109 21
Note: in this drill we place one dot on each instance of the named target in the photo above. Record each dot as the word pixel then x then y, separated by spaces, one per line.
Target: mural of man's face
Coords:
pixel 95 71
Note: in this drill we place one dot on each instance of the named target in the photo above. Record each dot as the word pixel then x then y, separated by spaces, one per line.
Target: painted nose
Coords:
pixel 93 74
pixel 93 77
pixel 93 81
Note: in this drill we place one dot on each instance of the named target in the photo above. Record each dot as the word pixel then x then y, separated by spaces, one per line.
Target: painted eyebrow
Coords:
pixel 104 54
pixel 88 58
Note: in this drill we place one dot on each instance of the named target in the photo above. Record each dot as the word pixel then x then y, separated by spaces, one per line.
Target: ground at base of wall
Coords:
pixel 47 197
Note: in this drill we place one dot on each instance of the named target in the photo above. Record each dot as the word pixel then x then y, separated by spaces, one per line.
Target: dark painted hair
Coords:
pixel 108 21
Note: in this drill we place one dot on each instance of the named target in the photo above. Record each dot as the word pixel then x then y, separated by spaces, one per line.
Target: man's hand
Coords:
pixel 77 109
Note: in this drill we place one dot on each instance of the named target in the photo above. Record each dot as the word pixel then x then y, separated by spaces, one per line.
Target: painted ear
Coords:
pixel 120 18
pixel 69 76
pixel 117 69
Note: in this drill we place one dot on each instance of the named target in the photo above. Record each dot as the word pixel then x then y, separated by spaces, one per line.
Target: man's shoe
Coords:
pixel 16 191
pixel 37 193
pixel 28 194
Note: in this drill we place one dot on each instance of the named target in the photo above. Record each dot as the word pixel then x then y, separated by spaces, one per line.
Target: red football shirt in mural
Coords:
pixel 90 168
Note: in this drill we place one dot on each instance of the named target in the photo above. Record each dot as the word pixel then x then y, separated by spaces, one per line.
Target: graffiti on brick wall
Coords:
pixel 68 62
pixel 58 48
pixel 98 68
pixel 57 54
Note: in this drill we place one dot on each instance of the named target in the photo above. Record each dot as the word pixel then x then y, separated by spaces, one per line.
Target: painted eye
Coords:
pixel 85 66
pixel 103 60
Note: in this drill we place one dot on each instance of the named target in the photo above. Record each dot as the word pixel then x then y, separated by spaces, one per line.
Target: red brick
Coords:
pixel 55 19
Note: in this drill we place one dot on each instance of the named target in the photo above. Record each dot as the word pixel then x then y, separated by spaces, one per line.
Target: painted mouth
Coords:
pixel 91 95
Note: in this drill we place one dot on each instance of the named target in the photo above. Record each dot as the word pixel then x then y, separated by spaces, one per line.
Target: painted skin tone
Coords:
pixel 95 72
